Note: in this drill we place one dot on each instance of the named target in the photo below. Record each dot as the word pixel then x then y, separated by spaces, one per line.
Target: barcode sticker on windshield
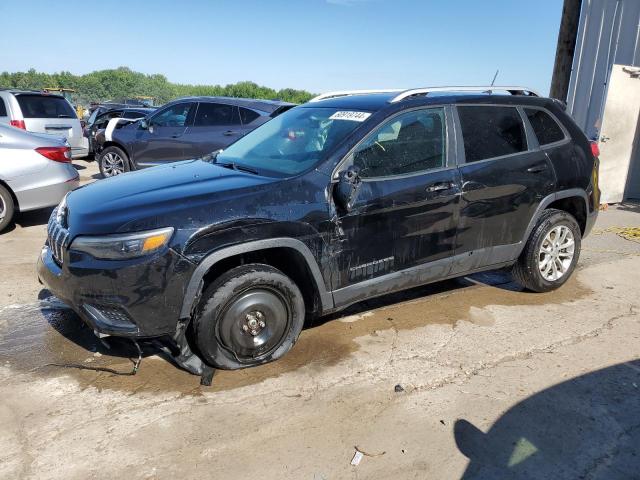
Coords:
pixel 353 116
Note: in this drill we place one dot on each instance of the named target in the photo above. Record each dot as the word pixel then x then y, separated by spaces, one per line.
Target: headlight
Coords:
pixel 121 247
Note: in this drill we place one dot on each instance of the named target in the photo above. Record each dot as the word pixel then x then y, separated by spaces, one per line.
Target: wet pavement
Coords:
pixel 48 339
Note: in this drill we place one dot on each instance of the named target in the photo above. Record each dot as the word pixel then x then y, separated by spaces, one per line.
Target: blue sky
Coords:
pixel 316 45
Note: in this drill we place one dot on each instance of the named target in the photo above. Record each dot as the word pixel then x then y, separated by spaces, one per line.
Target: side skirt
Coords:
pixel 457 266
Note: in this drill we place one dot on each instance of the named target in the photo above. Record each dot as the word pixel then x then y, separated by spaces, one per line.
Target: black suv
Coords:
pixel 182 129
pixel 332 202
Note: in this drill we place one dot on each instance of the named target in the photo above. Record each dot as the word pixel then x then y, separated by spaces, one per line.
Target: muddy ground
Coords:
pixel 470 378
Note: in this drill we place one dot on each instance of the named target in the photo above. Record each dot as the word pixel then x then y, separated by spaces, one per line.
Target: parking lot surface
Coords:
pixel 469 378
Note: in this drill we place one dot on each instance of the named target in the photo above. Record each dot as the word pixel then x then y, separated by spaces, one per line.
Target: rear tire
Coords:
pixel 7 208
pixel 551 253
pixel 250 315
pixel 113 161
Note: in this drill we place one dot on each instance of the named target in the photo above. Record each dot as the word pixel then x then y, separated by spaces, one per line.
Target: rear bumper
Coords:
pixel 48 192
pixel 590 222
pixel 79 152
pixel 136 298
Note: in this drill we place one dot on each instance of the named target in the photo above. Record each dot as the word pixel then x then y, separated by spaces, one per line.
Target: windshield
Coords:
pixel 294 141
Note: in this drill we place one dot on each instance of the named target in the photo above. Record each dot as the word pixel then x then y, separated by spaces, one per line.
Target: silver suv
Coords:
pixel 41 112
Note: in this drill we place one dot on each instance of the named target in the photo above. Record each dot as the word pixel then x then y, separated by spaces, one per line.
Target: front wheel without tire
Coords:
pixel 551 253
pixel 250 315
pixel 113 161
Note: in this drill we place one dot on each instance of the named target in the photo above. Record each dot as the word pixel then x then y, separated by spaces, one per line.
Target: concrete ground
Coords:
pixel 470 378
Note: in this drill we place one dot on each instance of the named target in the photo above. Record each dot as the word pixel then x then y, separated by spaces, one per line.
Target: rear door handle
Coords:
pixel 538 168
pixel 228 133
pixel 176 135
pixel 439 187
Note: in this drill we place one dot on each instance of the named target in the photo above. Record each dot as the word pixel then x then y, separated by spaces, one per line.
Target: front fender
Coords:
pixel 195 285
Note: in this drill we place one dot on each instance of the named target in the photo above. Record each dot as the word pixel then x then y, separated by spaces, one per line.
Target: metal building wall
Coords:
pixel 609 32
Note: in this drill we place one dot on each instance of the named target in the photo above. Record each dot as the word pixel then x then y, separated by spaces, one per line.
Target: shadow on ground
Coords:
pixel 35 217
pixel 585 428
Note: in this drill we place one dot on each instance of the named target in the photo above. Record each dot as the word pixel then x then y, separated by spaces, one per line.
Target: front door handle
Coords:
pixel 439 187
pixel 229 133
pixel 538 168
pixel 176 135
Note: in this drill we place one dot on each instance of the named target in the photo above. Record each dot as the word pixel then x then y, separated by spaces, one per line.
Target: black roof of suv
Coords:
pixel 330 203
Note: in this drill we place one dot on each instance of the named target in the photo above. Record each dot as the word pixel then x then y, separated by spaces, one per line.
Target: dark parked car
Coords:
pixel 99 122
pixel 183 129
pixel 333 202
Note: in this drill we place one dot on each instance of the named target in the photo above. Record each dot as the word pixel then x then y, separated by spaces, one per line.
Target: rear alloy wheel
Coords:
pixel 113 161
pixel 556 253
pixel 7 208
pixel 551 253
pixel 251 315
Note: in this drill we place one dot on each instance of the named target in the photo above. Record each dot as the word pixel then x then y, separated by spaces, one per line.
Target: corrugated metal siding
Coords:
pixel 609 32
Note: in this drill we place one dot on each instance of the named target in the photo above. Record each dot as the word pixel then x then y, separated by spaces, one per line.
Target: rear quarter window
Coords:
pixel 545 127
pixel 491 131
pixel 3 108
pixel 41 106
pixel 247 116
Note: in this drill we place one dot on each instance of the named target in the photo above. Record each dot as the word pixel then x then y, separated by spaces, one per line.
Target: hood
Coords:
pixel 155 197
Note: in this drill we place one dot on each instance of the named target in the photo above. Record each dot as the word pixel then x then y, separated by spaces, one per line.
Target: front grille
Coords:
pixel 57 237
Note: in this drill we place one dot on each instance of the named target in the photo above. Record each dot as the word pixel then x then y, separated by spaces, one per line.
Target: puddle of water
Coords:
pixel 32 336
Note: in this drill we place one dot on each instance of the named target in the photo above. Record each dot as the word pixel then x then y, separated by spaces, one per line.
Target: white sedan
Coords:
pixel 35 172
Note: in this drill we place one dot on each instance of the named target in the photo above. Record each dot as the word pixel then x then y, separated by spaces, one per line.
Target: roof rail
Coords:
pixel 346 93
pixel 488 89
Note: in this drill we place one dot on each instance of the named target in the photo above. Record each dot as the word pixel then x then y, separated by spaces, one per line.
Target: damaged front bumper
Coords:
pixel 137 298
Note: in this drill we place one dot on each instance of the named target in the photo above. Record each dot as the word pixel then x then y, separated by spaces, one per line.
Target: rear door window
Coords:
pixel 43 106
pixel 491 131
pixel 545 127
pixel 216 114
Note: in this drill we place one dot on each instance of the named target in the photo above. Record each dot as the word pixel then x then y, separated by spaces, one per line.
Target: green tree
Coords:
pixel 122 82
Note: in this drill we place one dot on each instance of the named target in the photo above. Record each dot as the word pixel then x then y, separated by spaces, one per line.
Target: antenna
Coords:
pixel 494 77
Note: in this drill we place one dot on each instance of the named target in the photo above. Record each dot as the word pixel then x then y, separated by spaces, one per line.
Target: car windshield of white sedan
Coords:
pixel 292 142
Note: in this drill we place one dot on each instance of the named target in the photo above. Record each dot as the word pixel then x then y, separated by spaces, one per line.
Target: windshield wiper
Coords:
pixel 213 158
pixel 235 166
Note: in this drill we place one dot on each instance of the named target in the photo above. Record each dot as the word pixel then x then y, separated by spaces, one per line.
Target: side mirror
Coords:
pixel 346 190
pixel 143 124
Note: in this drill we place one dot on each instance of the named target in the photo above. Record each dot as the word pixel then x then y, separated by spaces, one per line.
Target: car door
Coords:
pixel 404 218
pixel 216 126
pixel 504 177
pixel 162 140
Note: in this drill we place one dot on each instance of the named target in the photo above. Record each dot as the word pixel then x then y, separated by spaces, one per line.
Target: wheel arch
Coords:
pixel 574 201
pixel 16 203
pixel 112 143
pixel 221 260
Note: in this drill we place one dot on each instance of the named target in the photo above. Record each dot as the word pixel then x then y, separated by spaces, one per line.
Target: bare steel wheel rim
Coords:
pixel 254 323
pixel 556 253
pixel 112 164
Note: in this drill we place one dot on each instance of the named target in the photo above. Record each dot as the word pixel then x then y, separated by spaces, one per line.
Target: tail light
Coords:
pixel 595 149
pixel 57 154
pixel 18 124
